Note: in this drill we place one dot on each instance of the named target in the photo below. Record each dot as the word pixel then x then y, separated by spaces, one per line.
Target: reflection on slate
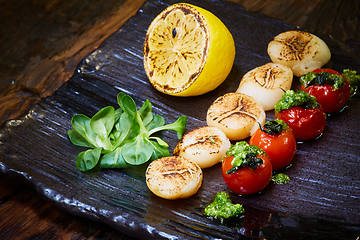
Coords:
pixel 322 198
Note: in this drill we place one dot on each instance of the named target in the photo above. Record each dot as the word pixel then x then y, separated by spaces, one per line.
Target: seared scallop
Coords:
pixel 206 146
pixel 267 83
pixel 301 51
pixel 236 114
pixel 173 177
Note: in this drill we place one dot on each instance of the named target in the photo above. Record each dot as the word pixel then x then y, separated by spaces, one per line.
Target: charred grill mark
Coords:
pixel 182 173
pixel 240 114
pixel 240 105
pixel 220 100
pixel 171 163
pixel 214 118
pixel 261 80
pixel 270 78
pixel 193 76
pixel 184 55
pixel 242 110
pixel 206 141
pixel 297 46
pixel 168 67
pixel 185 9
pixel 146 46
pixel 175 175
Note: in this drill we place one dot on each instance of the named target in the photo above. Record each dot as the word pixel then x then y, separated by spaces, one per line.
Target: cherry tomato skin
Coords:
pixel 330 99
pixel 280 147
pixel 305 123
pixel 246 180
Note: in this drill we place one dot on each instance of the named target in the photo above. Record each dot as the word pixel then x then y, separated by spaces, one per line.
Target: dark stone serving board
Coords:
pixel 321 201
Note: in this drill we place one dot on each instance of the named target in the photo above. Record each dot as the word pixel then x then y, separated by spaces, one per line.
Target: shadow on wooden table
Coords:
pixel 25 215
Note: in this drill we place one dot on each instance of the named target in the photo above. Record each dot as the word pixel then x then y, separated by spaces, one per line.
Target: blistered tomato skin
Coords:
pixel 280 147
pixel 330 99
pixel 305 123
pixel 246 180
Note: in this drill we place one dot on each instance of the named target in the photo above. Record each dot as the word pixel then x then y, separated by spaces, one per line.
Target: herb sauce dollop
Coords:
pixel 280 178
pixel 245 155
pixel 293 99
pixel 322 78
pixel 222 208
pixel 274 127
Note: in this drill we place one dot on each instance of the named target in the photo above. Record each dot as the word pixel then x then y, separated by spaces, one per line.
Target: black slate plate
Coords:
pixel 321 201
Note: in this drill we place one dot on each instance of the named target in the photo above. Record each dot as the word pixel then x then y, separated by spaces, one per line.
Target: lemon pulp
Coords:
pixel 188 51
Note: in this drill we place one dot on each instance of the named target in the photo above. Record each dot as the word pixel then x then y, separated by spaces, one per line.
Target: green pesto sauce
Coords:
pixel 222 208
pixel 242 152
pixel 322 78
pixel 273 127
pixel 292 99
pixel 280 178
pixel 353 79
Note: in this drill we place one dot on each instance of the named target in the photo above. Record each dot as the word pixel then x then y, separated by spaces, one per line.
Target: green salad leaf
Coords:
pixel 88 159
pixel 121 137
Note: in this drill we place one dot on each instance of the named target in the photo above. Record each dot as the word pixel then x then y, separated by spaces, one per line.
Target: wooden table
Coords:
pixel 41 43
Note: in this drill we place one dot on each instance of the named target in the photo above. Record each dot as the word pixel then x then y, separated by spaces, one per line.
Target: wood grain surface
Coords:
pixel 42 42
pixel 336 18
pixel 25 215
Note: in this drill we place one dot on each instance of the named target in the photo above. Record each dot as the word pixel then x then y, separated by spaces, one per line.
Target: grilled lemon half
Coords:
pixel 188 51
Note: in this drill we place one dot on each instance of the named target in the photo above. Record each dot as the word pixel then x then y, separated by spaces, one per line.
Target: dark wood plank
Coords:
pixel 25 215
pixel 338 18
pixel 41 43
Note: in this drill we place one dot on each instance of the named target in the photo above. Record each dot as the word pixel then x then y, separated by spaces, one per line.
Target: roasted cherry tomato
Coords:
pixel 329 87
pixel 247 179
pixel 305 123
pixel 277 140
pixel 302 113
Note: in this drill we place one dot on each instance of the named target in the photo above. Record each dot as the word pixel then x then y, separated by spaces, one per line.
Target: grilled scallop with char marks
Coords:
pixel 236 114
pixel 301 51
pixel 267 83
pixel 205 145
pixel 173 177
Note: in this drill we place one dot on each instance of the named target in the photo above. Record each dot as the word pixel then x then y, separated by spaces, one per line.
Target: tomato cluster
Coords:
pixel 299 116
pixel 247 168
pixel 331 92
